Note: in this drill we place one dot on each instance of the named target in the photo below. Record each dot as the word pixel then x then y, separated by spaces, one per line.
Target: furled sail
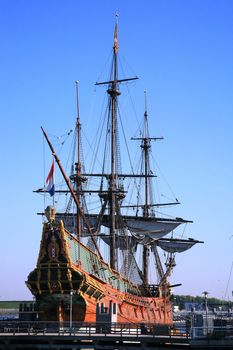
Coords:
pixel 122 242
pixel 150 227
pixel 176 245
pixel 70 222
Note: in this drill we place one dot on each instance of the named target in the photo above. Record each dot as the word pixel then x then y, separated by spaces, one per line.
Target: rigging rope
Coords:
pixel 228 282
pixel 164 178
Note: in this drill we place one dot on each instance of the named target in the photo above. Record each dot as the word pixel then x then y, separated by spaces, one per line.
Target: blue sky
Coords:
pixel 183 54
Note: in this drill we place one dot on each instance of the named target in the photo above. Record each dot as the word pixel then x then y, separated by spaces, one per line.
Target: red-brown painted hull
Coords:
pixel 132 308
pixel 93 299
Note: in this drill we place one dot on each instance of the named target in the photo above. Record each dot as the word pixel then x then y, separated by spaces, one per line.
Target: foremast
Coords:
pixel 145 146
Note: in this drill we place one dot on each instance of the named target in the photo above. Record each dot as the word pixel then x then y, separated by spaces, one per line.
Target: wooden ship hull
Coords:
pixel 100 294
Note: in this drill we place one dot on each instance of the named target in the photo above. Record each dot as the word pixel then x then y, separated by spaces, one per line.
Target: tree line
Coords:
pixel 180 301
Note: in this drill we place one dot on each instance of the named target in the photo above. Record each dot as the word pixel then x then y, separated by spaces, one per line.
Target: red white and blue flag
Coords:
pixel 50 186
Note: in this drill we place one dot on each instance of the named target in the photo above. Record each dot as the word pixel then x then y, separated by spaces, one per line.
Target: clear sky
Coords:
pixel 183 53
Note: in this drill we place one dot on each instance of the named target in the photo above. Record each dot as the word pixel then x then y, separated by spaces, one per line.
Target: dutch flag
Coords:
pixel 50 187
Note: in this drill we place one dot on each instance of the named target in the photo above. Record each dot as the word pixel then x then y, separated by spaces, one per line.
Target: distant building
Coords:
pixel 176 308
pixel 192 306
pixel 11 309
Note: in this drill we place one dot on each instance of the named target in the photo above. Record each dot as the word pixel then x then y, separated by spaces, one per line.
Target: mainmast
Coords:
pixel 114 194
pixel 113 93
pixel 78 164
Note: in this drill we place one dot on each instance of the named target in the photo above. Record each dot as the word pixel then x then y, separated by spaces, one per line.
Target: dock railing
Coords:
pixel 88 329
pixel 15 327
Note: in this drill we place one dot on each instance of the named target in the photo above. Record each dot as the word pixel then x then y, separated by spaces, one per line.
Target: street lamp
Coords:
pixel 35 315
pixel 206 309
pixel 71 306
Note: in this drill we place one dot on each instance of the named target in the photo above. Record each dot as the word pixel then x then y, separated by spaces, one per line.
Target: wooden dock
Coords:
pixel 36 336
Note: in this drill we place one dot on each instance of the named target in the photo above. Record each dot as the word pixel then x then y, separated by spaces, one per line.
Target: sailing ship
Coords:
pixel 91 258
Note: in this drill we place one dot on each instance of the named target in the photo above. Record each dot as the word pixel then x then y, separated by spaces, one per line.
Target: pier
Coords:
pixel 16 335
